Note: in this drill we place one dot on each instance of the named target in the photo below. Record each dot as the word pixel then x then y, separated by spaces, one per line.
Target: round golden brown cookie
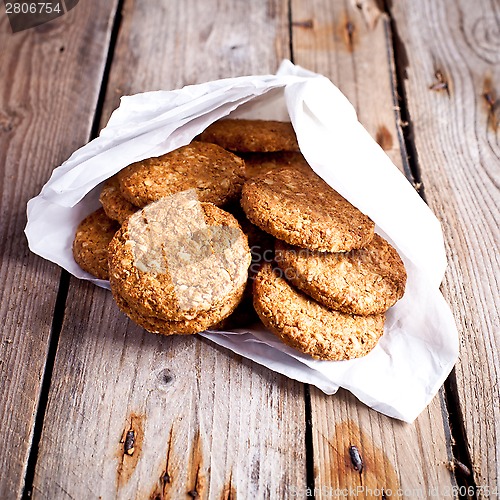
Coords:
pixel 113 202
pixel 90 246
pixel 303 210
pixel 200 323
pixel 364 281
pixel 251 135
pixel 178 258
pixel 309 327
pixel 262 163
pixel 216 174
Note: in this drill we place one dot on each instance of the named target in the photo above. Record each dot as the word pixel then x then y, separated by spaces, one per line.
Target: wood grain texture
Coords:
pixel 456 132
pixel 46 110
pixel 194 45
pixel 205 422
pixel 337 40
pixel 402 460
pixel 352 46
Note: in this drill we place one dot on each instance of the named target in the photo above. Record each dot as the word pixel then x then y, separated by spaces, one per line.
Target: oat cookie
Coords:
pixel 200 323
pixel 251 135
pixel 90 246
pixel 113 202
pixel 262 163
pixel 364 281
pixel 303 210
pixel 178 258
pixel 216 174
pixel 309 327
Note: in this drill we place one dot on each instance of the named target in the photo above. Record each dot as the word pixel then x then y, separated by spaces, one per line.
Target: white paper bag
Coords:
pixel 420 342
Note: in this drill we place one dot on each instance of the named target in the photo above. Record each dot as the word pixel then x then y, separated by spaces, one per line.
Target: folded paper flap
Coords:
pixel 420 344
pixel 147 125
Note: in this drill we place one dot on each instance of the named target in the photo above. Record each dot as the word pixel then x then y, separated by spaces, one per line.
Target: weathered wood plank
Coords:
pixel 401 460
pixel 46 110
pixel 335 39
pixel 352 46
pixel 205 421
pixel 453 88
pixel 196 46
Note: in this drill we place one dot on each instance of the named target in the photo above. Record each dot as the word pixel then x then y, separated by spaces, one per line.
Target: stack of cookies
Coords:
pixel 174 243
pixel 332 278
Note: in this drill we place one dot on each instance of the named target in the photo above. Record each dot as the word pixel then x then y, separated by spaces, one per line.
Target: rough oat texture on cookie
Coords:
pixel 90 246
pixel 216 174
pixel 303 210
pixel 113 202
pixel 178 259
pixel 262 163
pixel 198 323
pixel 309 327
pixel 363 281
pixel 247 136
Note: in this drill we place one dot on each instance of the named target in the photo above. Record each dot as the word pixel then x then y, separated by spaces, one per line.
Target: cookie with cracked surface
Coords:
pixel 201 322
pixel 216 174
pixel 113 202
pixel 303 210
pixel 364 281
pixel 262 163
pixel 178 258
pixel 90 246
pixel 247 136
pixel 309 327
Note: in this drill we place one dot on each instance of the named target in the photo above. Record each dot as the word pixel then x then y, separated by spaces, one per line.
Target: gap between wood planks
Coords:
pixel 307 390
pixel 462 464
pixel 55 331
pixel 412 171
pixel 62 294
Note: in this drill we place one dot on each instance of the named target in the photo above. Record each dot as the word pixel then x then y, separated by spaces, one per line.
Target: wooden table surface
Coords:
pixel 76 374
